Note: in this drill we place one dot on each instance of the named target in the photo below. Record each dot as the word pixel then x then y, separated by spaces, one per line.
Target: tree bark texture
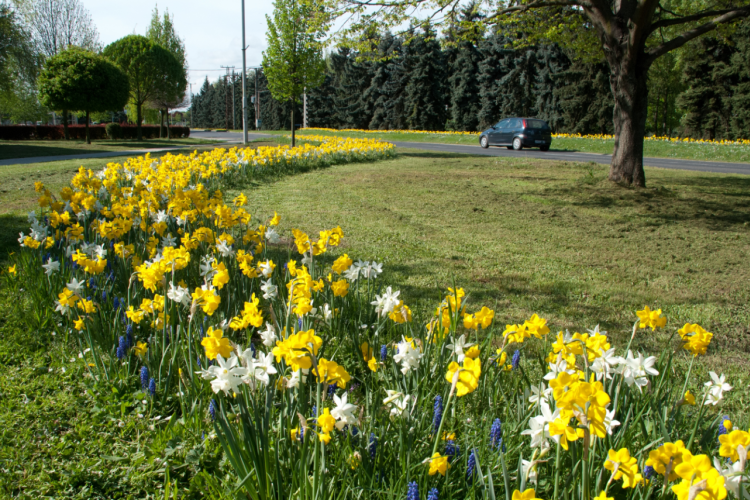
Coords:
pixel 630 93
pixel 65 124
pixel 138 131
pixel 292 122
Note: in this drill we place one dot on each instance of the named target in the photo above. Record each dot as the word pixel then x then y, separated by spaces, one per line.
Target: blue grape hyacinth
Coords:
pixel 383 352
pixel 470 466
pixel 496 434
pixel 413 492
pixel 437 413
pixel 516 360
pixel 373 446
pixel 144 378
pixel 433 494
pixel 212 410
pixel 152 387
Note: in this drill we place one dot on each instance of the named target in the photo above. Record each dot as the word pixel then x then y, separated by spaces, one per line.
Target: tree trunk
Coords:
pixel 161 124
pixel 166 112
pixel 65 124
pixel 88 134
pixel 630 91
pixel 138 118
pixel 292 123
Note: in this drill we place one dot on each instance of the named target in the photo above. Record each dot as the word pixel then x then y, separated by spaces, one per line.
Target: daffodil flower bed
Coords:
pixel 319 381
pixel 601 137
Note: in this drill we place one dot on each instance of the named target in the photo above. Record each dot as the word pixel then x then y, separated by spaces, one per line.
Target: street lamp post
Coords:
pixel 244 70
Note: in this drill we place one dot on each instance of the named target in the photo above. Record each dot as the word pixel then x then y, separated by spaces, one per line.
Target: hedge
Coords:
pixel 56 132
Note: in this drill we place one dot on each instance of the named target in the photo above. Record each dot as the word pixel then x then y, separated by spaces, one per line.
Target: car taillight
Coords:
pixel 524 124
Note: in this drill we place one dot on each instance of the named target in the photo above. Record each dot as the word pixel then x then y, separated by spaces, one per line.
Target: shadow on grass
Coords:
pixel 436 155
pixel 10 226
pixel 60 148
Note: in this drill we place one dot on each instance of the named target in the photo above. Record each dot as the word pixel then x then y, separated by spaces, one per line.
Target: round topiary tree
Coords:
pixel 151 68
pixel 76 79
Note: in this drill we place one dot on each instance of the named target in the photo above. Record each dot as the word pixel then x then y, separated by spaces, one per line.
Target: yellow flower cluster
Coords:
pixel 603 137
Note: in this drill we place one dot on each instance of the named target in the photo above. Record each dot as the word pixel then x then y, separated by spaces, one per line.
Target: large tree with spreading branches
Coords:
pixel 629 34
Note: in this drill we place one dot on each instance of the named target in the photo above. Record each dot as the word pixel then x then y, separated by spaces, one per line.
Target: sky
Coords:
pixel 211 30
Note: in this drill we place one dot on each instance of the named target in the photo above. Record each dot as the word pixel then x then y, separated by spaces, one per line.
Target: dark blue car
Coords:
pixel 518 133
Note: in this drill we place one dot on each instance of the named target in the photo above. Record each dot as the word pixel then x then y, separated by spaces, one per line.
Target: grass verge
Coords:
pixel 551 238
pixel 17 193
pixel 32 149
pixel 651 149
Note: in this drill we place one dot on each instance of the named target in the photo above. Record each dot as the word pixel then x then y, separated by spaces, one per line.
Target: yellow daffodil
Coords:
pixel 624 467
pixel 215 343
pixel 529 494
pixel 651 319
pixel 439 464
pixel 140 348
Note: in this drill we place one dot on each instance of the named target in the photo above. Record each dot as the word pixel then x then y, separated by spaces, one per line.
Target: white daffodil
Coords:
pixel 76 286
pixel 609 421
pixel 635 371
pixel 539 427
pixel 51 267
pixel 263 367
pixel 270 291
pixel 300 376
pixel 343 412
pixel 168 241
pixel 457 347
pixel 400 405
pixel 528 469
pixel 557 367
pixel 226 375
pixel 408 356
pixel 224 248
pixel 268 335
pixel 179 294
pixel 539 394
pixel 606 364
pixel 392 396
pixel 716 387
pixel 266 269
pixel 384 304
pixel 352 274
pixel 326 312
pixel 272 236
pixel 732 476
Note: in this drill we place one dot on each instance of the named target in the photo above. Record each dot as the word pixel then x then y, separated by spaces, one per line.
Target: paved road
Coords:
pixel 236 137
pixel 700 166
pixel 132 152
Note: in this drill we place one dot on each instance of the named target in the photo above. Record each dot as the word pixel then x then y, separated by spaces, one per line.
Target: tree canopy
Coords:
pixel 76 79
pixel 293 61
pixel 148 66
pixel 630 35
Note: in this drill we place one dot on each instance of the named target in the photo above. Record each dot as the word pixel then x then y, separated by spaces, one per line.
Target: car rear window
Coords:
pixel 538 124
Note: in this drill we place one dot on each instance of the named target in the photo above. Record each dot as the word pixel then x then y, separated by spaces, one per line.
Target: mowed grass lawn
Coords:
pixel 520 236
pixel 32 149
pixel 653 149
pixel 551 238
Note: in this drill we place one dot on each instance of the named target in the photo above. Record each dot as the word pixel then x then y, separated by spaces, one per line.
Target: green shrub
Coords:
pixel 114 131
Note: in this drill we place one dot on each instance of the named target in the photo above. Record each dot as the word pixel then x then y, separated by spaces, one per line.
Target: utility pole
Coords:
pixel 304 109
pixel 244 70
pixel 257 98
pixel 234 110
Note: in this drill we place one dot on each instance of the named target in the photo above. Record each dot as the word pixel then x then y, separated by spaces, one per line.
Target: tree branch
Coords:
pixel 537 4
pixel 681 40
pixel 665 23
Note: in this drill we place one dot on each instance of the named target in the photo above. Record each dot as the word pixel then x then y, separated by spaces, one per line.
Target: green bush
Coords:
pixel 114 131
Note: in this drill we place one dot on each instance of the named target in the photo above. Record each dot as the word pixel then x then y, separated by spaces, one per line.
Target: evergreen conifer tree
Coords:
pixel 551 61
pixel 424 96
pixel 496 58
pixel 707 100
pixel 585 99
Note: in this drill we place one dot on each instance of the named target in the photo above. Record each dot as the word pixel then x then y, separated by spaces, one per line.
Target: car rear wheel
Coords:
pixel 544 148
pixel 484 142
pixel 517 144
